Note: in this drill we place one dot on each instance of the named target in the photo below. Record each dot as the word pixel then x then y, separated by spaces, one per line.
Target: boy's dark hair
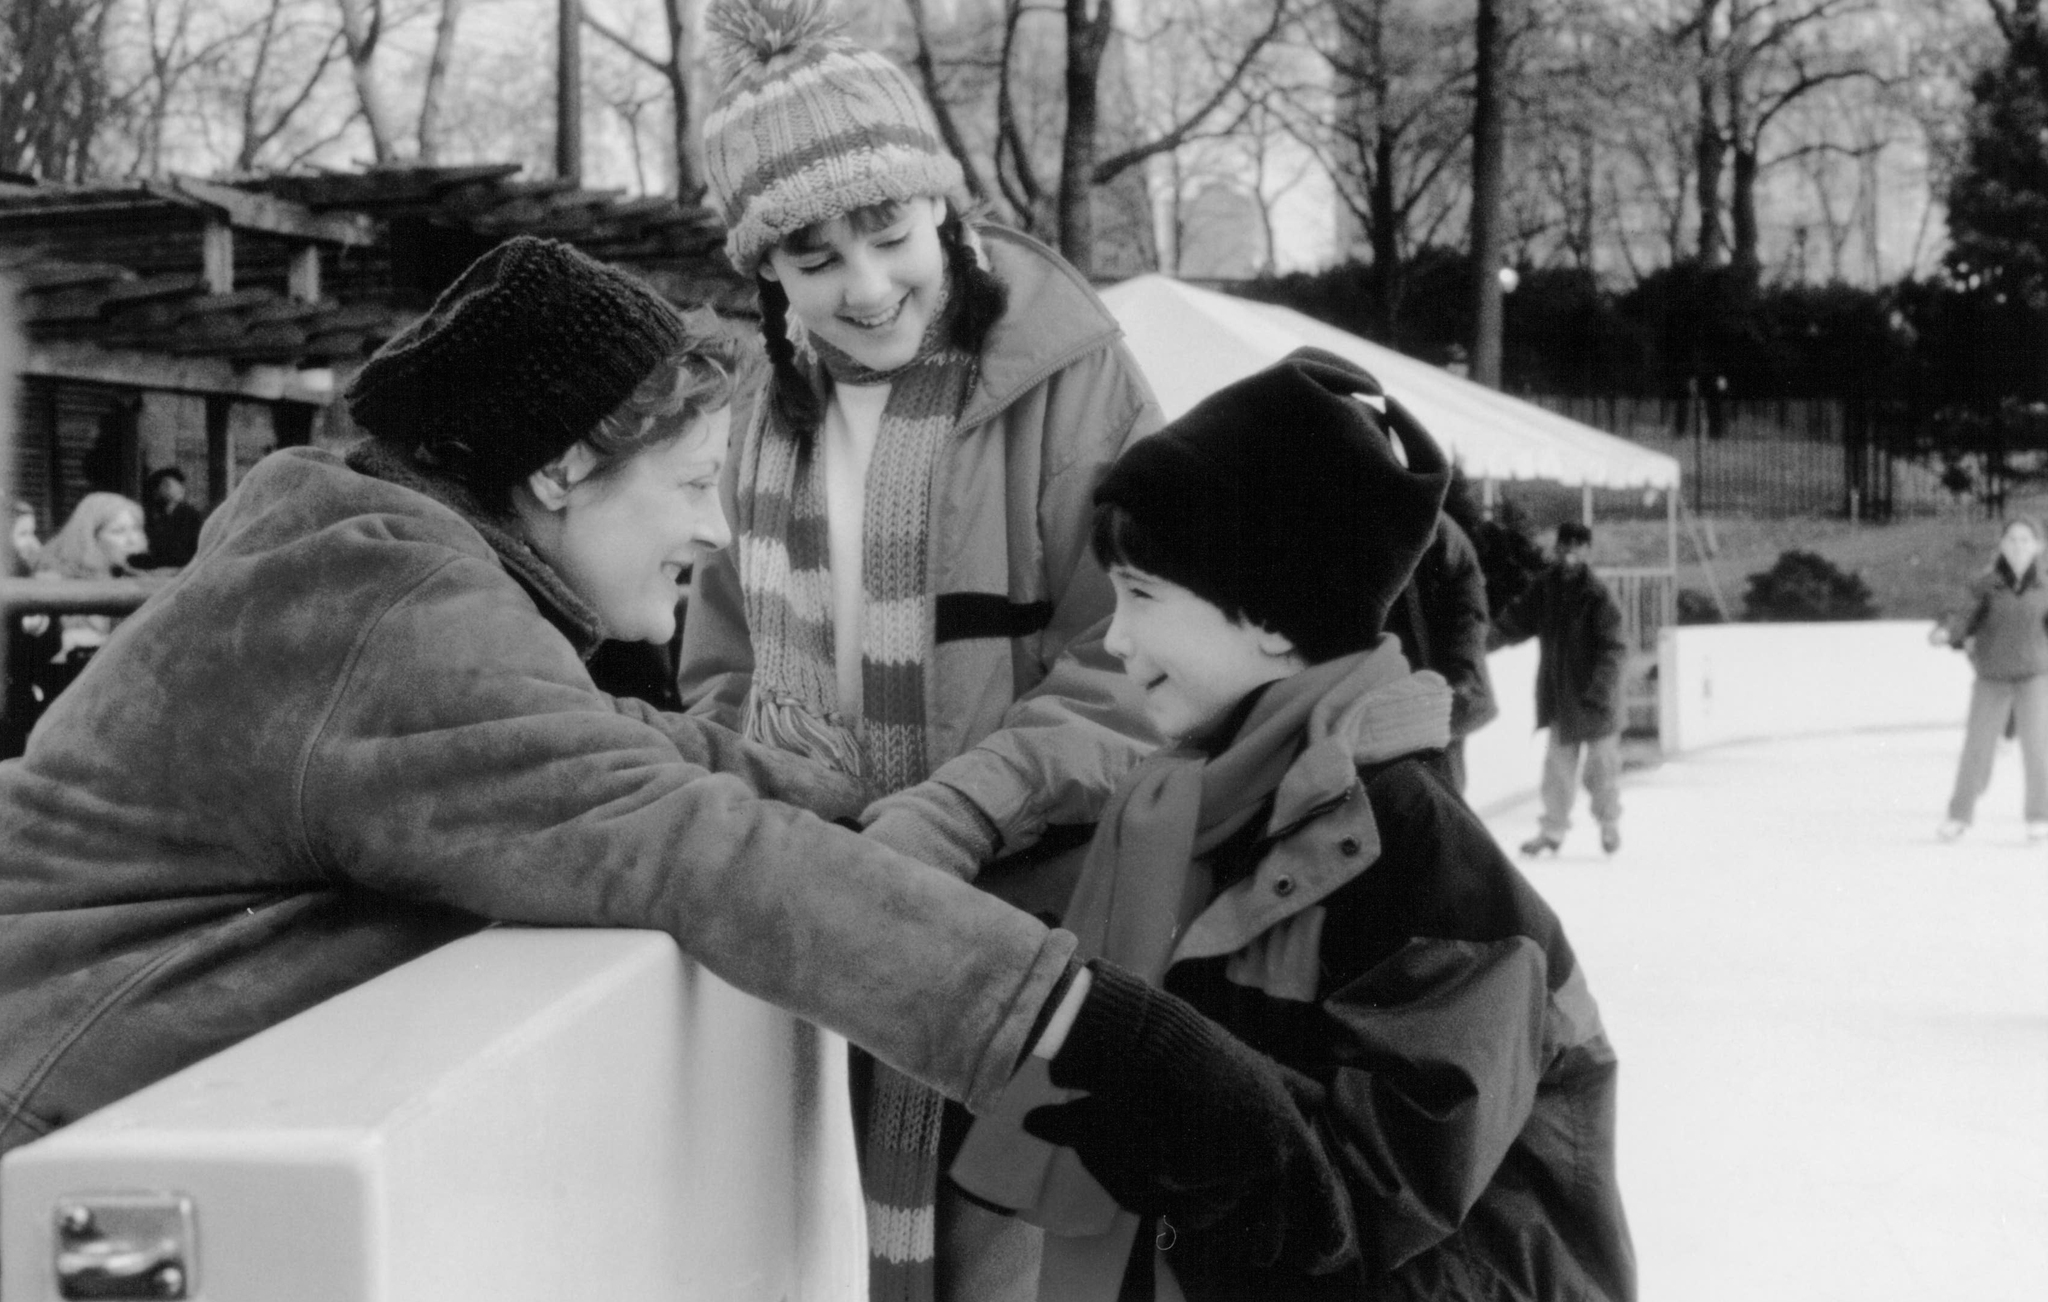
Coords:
pixel 1279 499
pixel 158 476
pixel 1121 538
pixel 1573 534
pixel 981 297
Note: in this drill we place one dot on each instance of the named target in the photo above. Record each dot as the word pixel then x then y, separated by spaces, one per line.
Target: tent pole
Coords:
pixel 1671 530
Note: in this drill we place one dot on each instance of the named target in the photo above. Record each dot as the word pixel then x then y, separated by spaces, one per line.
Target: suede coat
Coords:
pixel 358 726
pixel 1028 716
pixel 1580 651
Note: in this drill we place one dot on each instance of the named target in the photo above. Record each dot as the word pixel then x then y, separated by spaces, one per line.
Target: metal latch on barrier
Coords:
pixel 124 1245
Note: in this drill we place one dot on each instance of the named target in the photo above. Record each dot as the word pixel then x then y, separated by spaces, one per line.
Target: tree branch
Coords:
pixel 1110 168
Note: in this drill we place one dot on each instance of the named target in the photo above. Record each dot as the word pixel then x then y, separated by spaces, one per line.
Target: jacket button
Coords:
pixel 1283 886
pixel 1349 845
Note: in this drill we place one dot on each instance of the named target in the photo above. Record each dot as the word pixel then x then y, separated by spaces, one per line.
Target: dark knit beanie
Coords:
pixel 522 356
pixel 1280 498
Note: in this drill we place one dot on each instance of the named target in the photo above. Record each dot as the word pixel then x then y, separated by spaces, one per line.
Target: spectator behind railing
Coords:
pixel 171 522
pixel 102 536
pixel 31 639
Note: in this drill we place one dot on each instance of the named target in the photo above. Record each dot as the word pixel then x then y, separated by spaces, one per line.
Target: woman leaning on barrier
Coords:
pixel 359 725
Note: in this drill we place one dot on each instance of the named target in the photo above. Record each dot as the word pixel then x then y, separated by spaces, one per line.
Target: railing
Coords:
pixel 76 596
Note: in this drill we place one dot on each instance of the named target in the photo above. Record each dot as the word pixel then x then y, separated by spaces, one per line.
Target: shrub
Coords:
pixel 1807 586
pixel 1696 607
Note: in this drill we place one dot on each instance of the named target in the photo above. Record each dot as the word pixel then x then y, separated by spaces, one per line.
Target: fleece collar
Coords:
pixel 557 601
pixel 1379 712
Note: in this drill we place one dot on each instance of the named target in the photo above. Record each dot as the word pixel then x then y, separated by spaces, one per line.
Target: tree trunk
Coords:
pixel 1086 40
pixel 362 25
pixel 689 172
pixel 1709 145
pixel 1708 150
pixel 437 78
pixel 1489 163
pixel 928 73
pixel 1385 238
pixel 569 92
pixel 1742 222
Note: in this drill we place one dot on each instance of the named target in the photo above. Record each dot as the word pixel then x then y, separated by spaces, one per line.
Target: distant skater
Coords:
pixel 1578 687
pixel 2004 627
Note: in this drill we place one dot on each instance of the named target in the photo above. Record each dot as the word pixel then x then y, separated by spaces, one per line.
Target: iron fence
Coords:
pixel 1854 457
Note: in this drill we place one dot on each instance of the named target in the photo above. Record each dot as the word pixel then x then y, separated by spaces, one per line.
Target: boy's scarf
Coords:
pixel 1144 880
pixel 1301 744
pixel 786 585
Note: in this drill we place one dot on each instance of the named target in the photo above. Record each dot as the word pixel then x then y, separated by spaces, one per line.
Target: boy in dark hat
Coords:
pixel 1577 625
pixel 1360 1057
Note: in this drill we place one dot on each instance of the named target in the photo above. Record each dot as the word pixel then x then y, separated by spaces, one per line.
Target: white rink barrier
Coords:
pixel 523 1114
pixel 1504 760
pixel 1740 682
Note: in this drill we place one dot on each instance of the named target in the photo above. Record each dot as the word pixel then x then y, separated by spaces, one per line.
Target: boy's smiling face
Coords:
pixel 1193 662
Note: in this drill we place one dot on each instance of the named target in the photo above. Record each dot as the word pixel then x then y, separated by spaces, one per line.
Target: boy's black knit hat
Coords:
pixel 522 356
pixel 1282 496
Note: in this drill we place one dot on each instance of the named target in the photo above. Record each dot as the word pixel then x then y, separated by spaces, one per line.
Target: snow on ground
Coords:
pixel 1833 1029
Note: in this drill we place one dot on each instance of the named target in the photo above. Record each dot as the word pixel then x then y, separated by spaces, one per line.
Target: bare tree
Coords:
pixel 54 95
pixel 264 109
pixel 362 29
pixel 1082 169
pixel 1016 173
pixel 1489 165
pixel 674 70
pixel 437 81
pixel 928 73
pixel 1398 125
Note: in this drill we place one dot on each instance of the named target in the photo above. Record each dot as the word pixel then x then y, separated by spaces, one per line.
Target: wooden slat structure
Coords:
pixel 166 316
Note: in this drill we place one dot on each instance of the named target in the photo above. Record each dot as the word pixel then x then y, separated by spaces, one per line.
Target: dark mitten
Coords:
pixel 1181 1118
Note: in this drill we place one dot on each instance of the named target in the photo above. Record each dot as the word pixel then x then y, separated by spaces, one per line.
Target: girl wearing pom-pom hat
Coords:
pixel 909 594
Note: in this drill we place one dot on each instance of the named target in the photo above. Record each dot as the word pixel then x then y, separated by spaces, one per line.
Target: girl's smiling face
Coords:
pixel 1192 662
pixel 868 283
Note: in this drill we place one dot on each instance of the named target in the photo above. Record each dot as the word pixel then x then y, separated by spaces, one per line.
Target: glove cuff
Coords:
pixel 1108 1042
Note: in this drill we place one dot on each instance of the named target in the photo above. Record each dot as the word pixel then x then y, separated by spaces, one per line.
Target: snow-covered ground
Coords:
pixel 1833 1028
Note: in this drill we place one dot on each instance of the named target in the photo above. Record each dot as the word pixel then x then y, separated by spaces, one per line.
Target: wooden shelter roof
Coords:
pixel 233 286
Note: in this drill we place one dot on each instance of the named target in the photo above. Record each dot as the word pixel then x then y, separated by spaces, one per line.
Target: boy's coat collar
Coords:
pixel 1379 711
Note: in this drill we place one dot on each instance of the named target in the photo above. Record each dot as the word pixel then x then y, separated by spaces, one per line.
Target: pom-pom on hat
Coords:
pixel 1280 497
pixel 532 346
pixel 808 125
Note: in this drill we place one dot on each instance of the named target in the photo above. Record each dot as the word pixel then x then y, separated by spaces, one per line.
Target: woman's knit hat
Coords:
pixel 808 126
pixel 522 356
pixel 1280 496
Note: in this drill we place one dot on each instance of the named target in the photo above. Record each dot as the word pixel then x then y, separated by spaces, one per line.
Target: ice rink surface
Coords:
pixel 1833 1028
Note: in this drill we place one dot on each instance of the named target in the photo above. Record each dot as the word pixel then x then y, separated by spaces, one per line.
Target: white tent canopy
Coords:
pixel 1192 341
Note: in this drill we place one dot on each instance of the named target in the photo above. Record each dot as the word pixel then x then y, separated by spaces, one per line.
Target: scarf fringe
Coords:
pixel 783 722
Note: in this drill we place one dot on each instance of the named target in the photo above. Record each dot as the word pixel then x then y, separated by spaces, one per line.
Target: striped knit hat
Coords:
pixel 809 126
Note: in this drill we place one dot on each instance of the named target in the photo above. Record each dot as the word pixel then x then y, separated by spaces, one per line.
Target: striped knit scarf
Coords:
pixel 786 586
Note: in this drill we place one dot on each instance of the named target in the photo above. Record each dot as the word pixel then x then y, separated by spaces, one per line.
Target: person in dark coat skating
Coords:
pixel 1578 686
